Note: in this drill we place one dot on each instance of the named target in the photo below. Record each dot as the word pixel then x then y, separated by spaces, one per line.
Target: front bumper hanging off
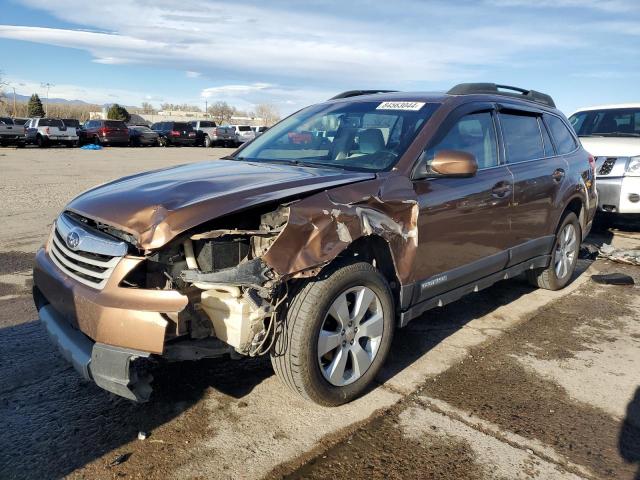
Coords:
pixel 111 368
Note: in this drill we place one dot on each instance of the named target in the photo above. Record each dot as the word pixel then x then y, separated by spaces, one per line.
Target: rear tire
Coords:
pixel 207 141
pixel 564 256
pixel 337 334
pixel 41 141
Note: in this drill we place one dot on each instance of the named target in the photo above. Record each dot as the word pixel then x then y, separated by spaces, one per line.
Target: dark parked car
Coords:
pixel 141 136
pixel 315 241
pixel 175 133
pixel 105 132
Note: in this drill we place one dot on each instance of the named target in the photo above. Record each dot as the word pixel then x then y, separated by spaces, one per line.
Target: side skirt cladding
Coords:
pixel 451 295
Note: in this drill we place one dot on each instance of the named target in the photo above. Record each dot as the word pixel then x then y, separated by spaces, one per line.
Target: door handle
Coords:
pixel 558 174
pixel 501 190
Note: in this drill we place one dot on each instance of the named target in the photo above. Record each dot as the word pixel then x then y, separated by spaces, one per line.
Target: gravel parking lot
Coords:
pixel 510 383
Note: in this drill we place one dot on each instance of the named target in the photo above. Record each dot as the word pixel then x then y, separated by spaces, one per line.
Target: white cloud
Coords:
pixel 376 47
pixel 234 90
pixel 192 74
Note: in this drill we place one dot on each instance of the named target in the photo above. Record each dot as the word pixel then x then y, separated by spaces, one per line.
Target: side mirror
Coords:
pixel 447 163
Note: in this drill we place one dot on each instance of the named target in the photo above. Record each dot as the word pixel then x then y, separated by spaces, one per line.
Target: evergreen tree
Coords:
pixel 118 112
pixel 34 108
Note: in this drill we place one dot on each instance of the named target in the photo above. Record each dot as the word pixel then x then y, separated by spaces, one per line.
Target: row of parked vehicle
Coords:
pixel 54 131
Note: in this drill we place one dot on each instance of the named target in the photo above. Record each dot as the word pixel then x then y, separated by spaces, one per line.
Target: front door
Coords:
pixel 463 228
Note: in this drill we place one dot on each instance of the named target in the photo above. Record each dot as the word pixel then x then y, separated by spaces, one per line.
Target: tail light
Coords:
pixel 103 131
pixel 174 133
pixel 46 130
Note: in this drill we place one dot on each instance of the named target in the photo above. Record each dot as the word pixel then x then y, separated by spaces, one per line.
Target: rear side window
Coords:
pixel 207 124
pixel 50 122
pixel 181 126
pixel 244 128
pixel 474 134
pixel 521 137
pixel 565 143
pixel 6 121
pixel 114 124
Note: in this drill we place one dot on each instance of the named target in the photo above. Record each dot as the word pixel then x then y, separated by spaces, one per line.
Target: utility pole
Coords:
pixel 206 107
pixel 46 108
pixel 14 102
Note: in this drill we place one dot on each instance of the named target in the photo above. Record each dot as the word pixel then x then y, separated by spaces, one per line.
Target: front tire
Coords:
pixel 207 141
pixel 564 256
pixel 337 334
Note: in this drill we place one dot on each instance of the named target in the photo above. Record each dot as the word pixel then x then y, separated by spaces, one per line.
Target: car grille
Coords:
pixel 607 166
pixel 93 260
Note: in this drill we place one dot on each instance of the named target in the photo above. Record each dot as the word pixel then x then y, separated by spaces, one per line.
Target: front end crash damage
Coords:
pixel 238 279
pixel 225 284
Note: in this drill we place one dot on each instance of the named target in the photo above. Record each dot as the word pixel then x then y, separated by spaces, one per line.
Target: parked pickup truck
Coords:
pixel 46 131
pixel 213 134
pixel 11 133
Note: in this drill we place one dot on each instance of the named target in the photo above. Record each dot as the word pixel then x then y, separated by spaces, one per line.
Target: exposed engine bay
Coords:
pixel 233 295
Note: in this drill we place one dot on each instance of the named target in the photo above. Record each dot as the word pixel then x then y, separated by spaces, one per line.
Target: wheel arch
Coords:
pixel 575 205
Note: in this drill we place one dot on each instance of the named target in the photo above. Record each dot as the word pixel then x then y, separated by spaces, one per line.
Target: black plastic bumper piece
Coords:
pixel 111 368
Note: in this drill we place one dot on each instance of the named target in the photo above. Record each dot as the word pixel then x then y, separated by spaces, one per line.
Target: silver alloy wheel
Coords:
pixel 350 335
pixel 566 250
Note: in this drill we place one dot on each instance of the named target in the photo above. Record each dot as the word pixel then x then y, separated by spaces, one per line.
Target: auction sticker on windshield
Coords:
pixel 414 106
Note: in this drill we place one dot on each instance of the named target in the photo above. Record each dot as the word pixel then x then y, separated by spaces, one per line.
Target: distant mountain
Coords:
pixel 25 98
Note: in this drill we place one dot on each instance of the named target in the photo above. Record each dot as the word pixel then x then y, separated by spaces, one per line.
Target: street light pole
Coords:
pixel 46 108
pixel 14 102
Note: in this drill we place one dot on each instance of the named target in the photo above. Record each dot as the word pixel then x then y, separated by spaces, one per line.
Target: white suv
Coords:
pixel 244 133
pixel 611 133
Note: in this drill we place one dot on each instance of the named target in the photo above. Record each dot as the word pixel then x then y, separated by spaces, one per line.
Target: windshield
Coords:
pixel 615 122
pixel 366 136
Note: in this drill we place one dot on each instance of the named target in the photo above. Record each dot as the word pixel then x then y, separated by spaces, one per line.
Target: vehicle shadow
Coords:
pixel 629 440
pixel 54 423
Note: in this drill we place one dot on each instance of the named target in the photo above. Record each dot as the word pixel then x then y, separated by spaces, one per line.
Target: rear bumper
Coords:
pixel 619 195
pixel 112 368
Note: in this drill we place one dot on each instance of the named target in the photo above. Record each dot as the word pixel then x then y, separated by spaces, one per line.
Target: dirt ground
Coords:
pixel 508 383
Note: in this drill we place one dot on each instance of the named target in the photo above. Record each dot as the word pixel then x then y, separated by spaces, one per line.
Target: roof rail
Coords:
pixel 492 88
pixel 355 93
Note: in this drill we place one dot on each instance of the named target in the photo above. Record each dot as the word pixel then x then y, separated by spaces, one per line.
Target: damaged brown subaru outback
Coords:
pixel 319 238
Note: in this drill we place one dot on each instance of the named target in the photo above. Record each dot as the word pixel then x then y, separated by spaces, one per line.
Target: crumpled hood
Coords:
pixel 611 146
pixel 156 206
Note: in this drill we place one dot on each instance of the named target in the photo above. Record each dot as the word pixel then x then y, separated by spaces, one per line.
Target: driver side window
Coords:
pixel 474 133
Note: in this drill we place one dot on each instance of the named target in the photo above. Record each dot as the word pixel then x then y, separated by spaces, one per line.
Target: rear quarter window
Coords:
pixel 50 122
pixel 6 121
pixel 114 124
pixel 521 137
pixel 564 140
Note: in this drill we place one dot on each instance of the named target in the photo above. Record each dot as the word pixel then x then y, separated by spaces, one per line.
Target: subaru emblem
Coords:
pixel 73 240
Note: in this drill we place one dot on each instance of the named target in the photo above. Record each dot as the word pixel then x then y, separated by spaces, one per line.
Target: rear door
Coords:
pixel 463 227
pixel 538 175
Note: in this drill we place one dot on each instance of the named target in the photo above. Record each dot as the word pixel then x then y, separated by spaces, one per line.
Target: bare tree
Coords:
pixel 147 108
pixel 222 112
pixel 268 113
pixel 183 107
pixel 3 96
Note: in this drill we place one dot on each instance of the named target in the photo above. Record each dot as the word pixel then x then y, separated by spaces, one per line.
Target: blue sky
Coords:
pixel 291 54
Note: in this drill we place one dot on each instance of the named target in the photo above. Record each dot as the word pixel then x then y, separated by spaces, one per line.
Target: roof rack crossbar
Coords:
pixel 496 89
pixel 356 93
